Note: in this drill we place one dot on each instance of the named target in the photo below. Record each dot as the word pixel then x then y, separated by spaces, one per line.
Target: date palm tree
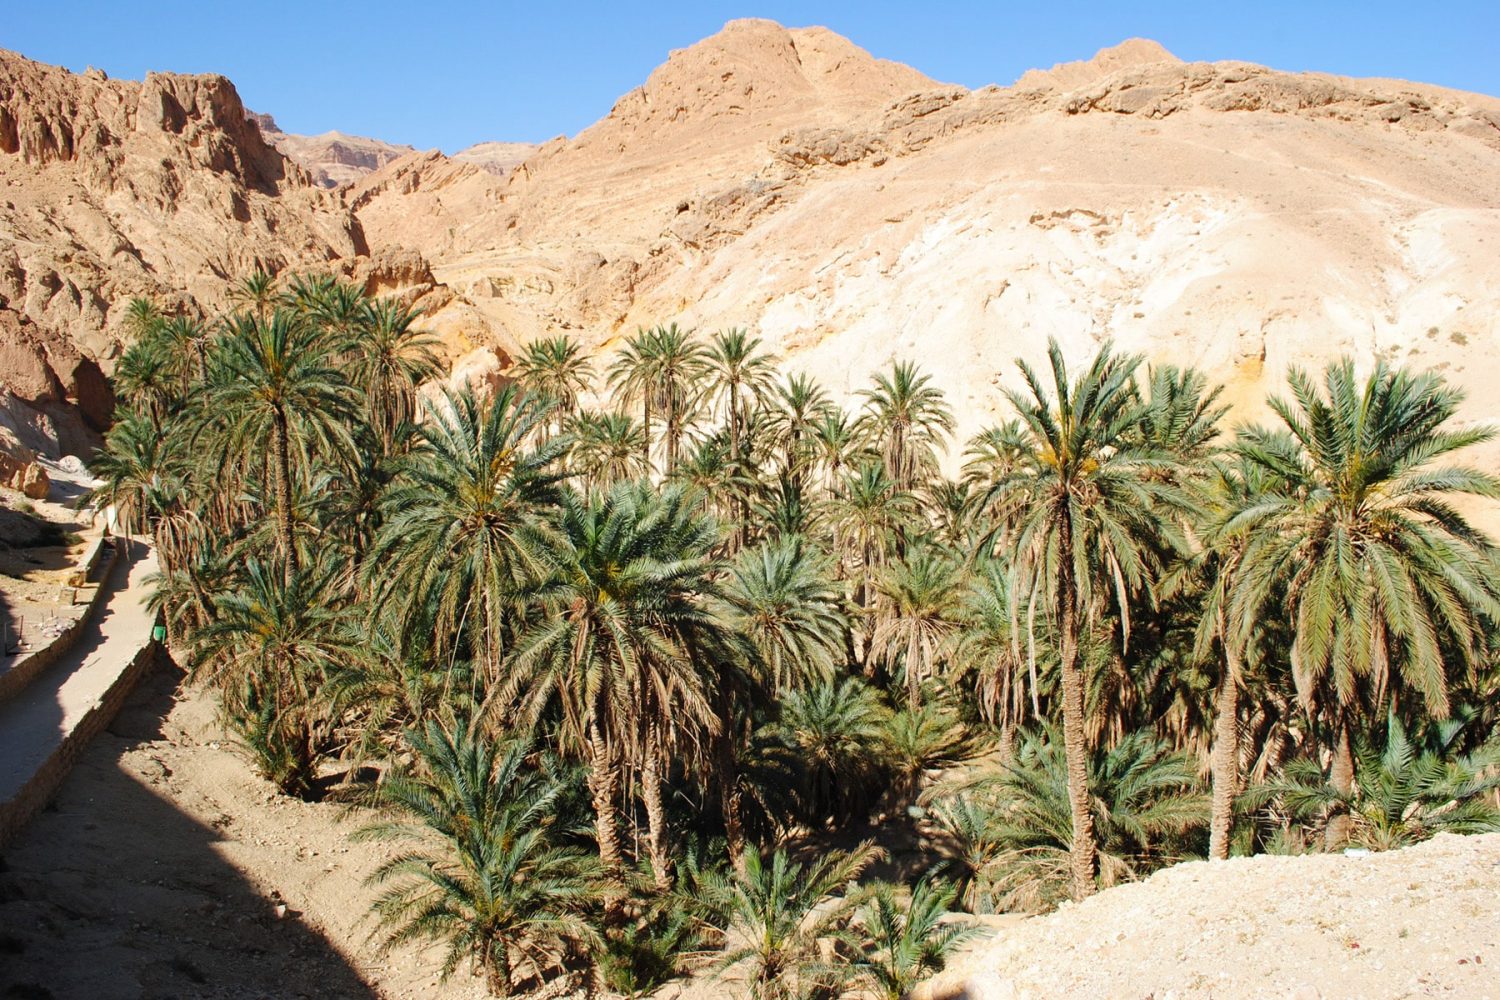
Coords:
pixel 272 643
pixel 988 650
pixel 906 938
pixel 662 368
pixel 555 370
pixel 906 416
pixel 917 619
pixel 274 392
pixel 257 293
pixel 391 357
pixel 607 448
pixel 1387 584
pixel 870 512
pixel 1093 517
pixel 739 375
pixel 784 600
pixel 797 407
pixel 786 913
pixel 483 873
pixel 455 529
pixel 629 574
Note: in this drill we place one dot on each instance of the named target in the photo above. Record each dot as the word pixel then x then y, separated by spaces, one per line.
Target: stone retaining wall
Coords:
pixel 47 779
pixel 24 669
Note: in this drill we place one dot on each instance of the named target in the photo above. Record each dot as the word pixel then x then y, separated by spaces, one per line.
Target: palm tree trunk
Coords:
pixel 281 462
pixel 604 789
pixel 913 677
pixel 729 798
pixel 1226 752
pixel 1341 777
pixel 656 813
pixel 496 961
pixel 1084 852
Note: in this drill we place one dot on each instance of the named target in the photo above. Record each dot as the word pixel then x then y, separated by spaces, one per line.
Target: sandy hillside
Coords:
pixel 853 211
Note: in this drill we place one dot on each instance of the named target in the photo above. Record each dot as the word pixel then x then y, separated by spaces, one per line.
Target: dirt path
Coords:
pixel 34 724
pixel 161 870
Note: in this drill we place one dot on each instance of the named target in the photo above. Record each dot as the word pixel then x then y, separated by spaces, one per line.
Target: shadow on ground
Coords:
pixel 143 906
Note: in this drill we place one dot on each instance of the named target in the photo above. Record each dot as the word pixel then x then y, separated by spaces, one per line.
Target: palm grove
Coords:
pixel 626 671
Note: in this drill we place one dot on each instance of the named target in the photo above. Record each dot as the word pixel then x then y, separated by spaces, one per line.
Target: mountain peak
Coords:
pixel 1068 75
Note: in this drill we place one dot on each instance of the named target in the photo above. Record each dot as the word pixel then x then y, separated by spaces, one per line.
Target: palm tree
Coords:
pixel 623 600
pixel 928 739
pixel 632 379
pixel 987 647
pixel 146 374
pixel 256 293
pixel 786 913
pixel 906 939
pixel 662 368
pixel 798 408
pixel 920 594
pixel 1404 792
pixel 608 448
pixel 390 359
pixel 275 392
pixel 143 319
pixel 784 600
pixel 136 461
pixel 837 731
pixel 739 375
pixel 1148 811
pixel 272 643
pixel 455 530
pixel 484 873
pixel 1388 586
pixel 555 370
pixel 909 419
pixel 869 513
pixel 1092 519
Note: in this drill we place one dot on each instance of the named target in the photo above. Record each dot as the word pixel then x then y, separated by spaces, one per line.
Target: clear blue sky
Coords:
pixel 448 74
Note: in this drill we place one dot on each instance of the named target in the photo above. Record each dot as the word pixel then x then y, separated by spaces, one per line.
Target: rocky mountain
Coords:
pixel 850 209
pixel 853 211
pixel 162 188
pixel 333 158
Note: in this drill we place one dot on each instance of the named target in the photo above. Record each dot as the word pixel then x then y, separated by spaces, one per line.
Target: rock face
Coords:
pixel 499 158
pixel 163 188
pixel 850 209
pixel 853 211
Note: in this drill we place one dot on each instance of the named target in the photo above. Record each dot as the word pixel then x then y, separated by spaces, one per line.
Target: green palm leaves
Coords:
pixel 1361 535
pixel 484 874
pixel 453 540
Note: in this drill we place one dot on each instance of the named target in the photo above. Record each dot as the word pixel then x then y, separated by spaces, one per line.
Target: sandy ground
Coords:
pixel 1421 922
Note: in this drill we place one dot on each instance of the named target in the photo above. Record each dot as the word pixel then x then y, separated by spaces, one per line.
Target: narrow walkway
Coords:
pixel 37 722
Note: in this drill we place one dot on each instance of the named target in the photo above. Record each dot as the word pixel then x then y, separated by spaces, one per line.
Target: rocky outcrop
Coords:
pixel 117 189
